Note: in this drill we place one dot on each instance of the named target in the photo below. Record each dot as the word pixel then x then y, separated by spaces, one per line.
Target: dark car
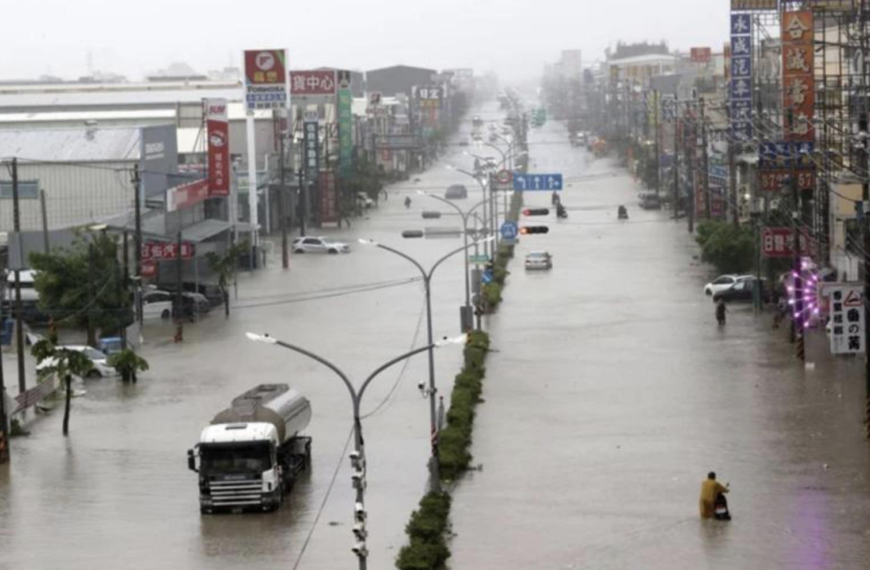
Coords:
pixel 743 291
pixel 650 202
pixel 456 192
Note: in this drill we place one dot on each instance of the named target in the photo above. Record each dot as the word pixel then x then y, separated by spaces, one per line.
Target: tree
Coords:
pixel 225 267
pixel 79 285
pixel 128 363
pixel 64 363
pixel 731 249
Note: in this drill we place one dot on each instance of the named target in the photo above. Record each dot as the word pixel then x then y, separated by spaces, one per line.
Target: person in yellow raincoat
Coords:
pixel 710 487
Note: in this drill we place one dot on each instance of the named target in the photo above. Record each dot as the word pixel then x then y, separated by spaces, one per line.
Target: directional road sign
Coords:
pixel 539 182
pixel 486 277
pixel 478 259
pixel 509 230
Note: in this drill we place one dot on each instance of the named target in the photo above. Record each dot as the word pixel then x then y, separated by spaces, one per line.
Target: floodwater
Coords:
pixel 117 491
pixel 613 393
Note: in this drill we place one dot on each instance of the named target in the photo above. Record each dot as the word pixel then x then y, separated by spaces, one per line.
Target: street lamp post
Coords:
pixel 358 456
pixel 427 283
pixel 464 216
pixel 483 189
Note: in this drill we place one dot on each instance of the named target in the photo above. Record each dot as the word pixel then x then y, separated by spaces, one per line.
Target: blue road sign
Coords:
pixel 509 230
pixel 540 182
pixel 486 277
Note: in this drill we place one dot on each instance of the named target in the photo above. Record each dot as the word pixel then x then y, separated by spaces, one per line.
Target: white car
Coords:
pixel 364 200
pixel 99 361
pixel 319 245
pixel 157 304
pixel 539 260
pixel 723 282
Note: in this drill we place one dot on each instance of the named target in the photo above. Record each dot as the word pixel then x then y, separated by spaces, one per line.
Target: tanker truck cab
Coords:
pixel 250 465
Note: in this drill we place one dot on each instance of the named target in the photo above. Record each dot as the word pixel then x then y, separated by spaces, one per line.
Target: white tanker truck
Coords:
pixel 252 452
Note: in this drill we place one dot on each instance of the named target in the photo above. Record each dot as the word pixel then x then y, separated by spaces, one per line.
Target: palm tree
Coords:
pixel 65 363
pixel 128 363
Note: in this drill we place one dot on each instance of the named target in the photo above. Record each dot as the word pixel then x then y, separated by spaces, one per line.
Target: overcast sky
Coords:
pixel 512 37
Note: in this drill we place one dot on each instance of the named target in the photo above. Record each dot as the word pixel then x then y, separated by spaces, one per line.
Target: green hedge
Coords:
pixel 427 549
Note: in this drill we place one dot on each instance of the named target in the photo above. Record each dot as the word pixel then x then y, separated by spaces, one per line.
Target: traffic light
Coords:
pixel 536 212
pixel 526 230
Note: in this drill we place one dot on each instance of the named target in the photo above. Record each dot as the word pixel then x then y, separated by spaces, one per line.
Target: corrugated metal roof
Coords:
pixel 114 98
pixel 71 145
pixel 82 116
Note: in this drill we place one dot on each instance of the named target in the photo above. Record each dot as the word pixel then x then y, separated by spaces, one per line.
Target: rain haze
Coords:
pixel 449 285
pixel 511 37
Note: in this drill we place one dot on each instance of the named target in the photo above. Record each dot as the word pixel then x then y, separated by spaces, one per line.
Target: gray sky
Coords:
pixel 512 37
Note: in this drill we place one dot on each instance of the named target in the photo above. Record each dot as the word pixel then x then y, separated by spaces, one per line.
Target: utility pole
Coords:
pixel 125 283
pixel 677 126
pixel 304 201
pixel 693 149
pixel 4 423
pixel 657 134
pixel 732 183
pixel 705 174
pixel 179 296
pixel 92 278
pixel 282 192
pixel 137 241
pixel 19 307
pixel 798 320
pixel 45 243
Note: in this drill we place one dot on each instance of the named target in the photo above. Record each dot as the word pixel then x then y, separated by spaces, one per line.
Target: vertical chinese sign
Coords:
pixel 344 109
pixel 847 320
pixel 797 75
pixel 310 143
pixel 217 127
pixel 741 77
pixel 266 79
pixel 328 198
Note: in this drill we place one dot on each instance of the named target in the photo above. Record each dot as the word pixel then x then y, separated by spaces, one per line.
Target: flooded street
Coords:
pixel 614 393
pixel 119 489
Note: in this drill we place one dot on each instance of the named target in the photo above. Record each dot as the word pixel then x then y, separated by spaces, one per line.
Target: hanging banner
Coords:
pixel 799 90
pixel 345 123
pixel 186 195
pixel 779 242
pixel 265 79
pixel 218 128
pixel 741 77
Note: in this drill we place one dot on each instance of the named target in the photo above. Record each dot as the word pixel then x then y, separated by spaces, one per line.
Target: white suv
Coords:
pixel 319 245
pixel 723 282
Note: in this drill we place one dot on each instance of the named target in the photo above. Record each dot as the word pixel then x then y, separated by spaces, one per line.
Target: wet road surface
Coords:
pixel 118 490
pixel 614 393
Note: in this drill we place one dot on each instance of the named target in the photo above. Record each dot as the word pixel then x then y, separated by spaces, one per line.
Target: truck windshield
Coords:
pixel 235 459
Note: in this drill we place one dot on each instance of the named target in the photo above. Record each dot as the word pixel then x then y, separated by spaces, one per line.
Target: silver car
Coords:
pixel 539 260
pixel 319 245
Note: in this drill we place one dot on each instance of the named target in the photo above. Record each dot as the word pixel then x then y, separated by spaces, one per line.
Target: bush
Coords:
pixel 427 549
pixel 730 249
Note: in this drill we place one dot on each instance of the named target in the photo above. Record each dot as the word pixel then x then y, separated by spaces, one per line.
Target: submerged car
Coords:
pixel 723 282
pixel 539 260
pixel 319 245
pixel 456 192
pixel 743 290
pixel 99 361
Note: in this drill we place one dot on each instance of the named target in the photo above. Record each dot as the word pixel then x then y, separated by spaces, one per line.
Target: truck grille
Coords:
pixel 235 493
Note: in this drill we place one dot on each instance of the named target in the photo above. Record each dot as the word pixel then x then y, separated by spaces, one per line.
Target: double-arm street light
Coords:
pixel 464 216
pixel 482 184
pixel 358 459
pixel 431 391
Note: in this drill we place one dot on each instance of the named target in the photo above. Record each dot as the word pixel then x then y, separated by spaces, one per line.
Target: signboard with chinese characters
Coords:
pixel 775 162
pixel 344 109
pixel 186 195
pixel 328 198
pixel 310 142
pixel 701 54
pixel 265 79
pixel 799 91
pixel 429 97
pixel 305 83
pixel 779 242
pixel 847 320
pixel 159 251
pixel 741 77
pixel 217 127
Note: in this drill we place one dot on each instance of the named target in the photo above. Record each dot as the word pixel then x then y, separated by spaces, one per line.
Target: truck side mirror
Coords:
pixel 191 461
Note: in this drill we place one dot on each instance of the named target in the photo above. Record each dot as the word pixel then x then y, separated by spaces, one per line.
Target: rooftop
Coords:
pixel 71 145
